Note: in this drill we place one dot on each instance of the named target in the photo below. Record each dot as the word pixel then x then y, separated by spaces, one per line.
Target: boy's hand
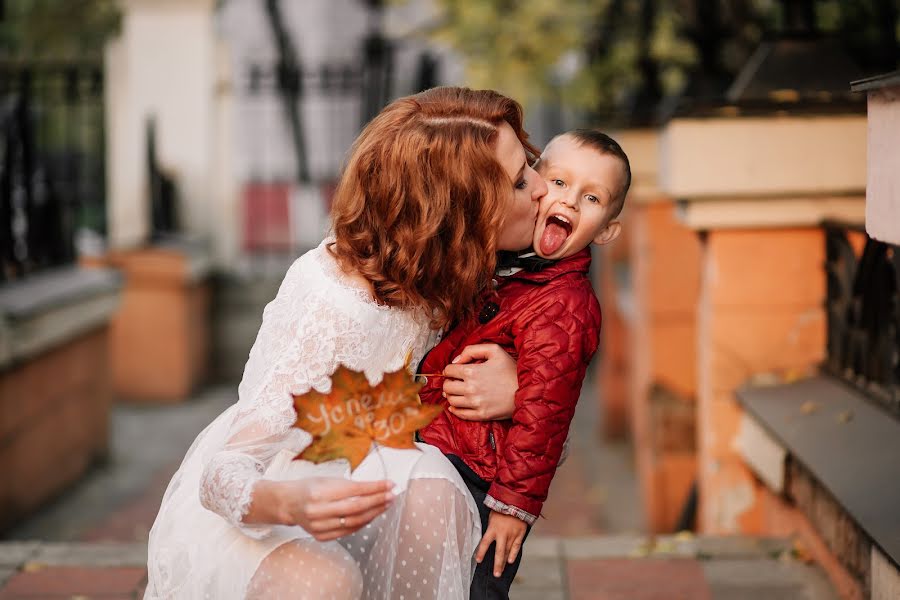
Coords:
pixel 508 532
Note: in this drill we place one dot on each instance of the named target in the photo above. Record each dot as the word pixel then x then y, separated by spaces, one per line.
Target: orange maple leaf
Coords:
pixel 346 421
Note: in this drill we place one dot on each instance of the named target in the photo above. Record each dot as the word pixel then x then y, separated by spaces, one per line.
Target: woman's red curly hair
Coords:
pixel 421 201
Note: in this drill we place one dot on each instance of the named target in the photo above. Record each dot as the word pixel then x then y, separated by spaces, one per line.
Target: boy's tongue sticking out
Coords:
pixel 556 231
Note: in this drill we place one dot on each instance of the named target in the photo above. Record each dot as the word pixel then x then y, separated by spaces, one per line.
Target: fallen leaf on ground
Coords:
pixel 801 552
pixel 809 407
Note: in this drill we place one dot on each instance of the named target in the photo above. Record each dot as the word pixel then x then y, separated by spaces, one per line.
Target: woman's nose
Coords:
pixel 540 190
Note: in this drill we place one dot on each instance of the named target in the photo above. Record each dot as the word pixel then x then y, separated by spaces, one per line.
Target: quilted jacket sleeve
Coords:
pixel 554 346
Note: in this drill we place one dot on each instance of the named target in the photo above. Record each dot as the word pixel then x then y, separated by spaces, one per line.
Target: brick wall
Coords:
pixel 54 420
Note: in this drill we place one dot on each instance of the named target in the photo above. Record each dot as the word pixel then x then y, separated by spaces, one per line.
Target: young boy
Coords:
pixel 543 311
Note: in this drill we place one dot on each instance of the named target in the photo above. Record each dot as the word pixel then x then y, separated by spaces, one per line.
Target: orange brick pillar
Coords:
pixel 613 364
pixel 160 335
pixel 665 259
pixel 760 311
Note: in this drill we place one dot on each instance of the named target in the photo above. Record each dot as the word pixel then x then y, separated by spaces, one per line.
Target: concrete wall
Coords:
pixel 164 66
pixel 883 190
pixel 777 155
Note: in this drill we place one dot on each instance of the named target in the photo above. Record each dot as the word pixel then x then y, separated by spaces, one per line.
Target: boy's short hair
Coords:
pixel 604 144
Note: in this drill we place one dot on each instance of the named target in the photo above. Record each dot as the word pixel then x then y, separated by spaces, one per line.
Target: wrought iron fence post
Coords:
pixel 45 161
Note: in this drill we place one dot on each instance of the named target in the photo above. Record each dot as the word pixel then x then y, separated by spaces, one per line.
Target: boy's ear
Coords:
pixel 609 233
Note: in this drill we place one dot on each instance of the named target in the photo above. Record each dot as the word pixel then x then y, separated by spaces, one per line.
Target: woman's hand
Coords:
pixel 481 383
pixel 326 507
pixel 508 532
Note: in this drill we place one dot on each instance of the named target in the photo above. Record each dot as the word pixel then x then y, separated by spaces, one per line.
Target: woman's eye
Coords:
pixel 522 185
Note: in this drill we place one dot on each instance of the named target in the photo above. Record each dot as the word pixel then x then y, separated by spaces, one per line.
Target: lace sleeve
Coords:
pixel 300 342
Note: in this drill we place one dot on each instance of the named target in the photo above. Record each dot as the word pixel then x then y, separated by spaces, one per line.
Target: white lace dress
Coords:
pixel 422 547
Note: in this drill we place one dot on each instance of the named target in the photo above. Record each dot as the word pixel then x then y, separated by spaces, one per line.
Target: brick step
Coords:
pixel 579 568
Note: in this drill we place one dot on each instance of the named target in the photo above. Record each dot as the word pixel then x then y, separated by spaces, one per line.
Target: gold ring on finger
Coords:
pixel 343 521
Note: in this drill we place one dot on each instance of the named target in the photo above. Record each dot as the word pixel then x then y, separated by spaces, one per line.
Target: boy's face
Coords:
pixel 583 186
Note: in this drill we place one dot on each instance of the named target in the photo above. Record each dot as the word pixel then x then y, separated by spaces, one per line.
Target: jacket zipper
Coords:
pixel 491 440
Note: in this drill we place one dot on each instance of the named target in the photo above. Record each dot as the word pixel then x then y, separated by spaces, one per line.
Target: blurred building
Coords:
pixel 750 331
pixel 151 201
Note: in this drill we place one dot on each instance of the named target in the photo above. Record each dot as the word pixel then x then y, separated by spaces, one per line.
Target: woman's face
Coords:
pixel 527 190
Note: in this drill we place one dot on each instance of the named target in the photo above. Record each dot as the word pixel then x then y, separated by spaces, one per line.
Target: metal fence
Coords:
pixel 51 163
pixel 295 126
pixel 863 305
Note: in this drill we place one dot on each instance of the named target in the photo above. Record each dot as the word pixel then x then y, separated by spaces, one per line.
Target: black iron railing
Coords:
pixel 318 111
pixel 51 163
pixel 163 192
pixel 863 305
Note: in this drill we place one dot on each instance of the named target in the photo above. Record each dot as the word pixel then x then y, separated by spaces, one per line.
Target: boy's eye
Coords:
pixel 559 182
pixel 593 199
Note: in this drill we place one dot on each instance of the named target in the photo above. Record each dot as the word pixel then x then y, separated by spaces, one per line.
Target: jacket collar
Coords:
pixel 577 263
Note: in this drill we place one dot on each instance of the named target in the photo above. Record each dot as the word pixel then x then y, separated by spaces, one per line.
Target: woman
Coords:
pixel 435 184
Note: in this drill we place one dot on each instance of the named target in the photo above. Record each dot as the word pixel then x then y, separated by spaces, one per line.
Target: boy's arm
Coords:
pixel 554 350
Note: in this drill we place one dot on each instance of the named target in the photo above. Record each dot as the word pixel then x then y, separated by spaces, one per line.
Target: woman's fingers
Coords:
pixel 466 414
pixel 459 401
pixel 475 352
pixel 455 387
pixel 348 507
pixel 333 529
pixel 337 489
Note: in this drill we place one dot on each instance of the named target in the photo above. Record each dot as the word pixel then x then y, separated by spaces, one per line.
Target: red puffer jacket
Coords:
pixel 549 322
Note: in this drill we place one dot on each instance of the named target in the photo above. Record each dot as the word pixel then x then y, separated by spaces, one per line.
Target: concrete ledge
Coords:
pixel 13 554
pixel 679 545
pixel 885 577
pixel 757 156
pixel 762 453
pixel 847 444
pixel 765 213
pixel 51 308
pixel 54 554
pixel 102 554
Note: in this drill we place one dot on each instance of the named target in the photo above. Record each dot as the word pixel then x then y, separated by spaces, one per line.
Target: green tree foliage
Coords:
pixel 56 28
pixel 584 52
pixel 596 54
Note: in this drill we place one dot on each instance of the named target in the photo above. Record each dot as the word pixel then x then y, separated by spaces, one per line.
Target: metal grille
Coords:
pixel 51 163
pixel 863 306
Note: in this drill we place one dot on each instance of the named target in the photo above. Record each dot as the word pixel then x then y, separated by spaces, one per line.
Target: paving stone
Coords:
pixel 13 554
pixel 536 573
pixel 741 546
pixel 6 573
pixel 637 579
pixel 766 578
pixel 668 546
pixel 66 582
pixel 527 594
pixel 608 546
pixel 92 555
